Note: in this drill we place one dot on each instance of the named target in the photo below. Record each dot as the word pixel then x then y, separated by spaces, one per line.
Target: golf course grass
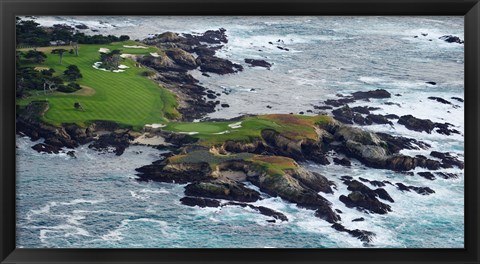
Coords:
pixel 248 129
pixel 127 98
pixel 273 165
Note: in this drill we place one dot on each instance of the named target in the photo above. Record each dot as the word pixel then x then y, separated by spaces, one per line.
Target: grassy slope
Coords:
pixel 126 97
pixel 273 165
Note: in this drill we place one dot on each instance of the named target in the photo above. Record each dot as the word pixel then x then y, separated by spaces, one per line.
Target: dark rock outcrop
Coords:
pixel 355 185
pixel 179 173
pixel 117 141
pixel 361 109
pixel 339 102
pixel 258 63
pixel 448 160
pixel 222 189
pixel 201 202
pixel 416 124
pixel 365 236
pixel 182 58
pixel 343 114
pixel 379 119
pixel 397 143
pixel 427 175
pixel 446 175
pixel 419 190
pixel 261 209
pixel 342 161
pixel 292 190
pixel 217 65
pixel 378 94
pixel 451 39
pixel 364 202
pixel 41 147
pixel 439 99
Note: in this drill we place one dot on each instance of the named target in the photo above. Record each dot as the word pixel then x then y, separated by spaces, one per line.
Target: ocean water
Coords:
pixel 95 201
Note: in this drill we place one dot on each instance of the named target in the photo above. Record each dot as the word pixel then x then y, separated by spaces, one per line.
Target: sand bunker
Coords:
pixel 154 54
pixel 155 125
pixel 97 64
pixel 189 133
pixel 104 50
pixel 152 140
pixel 128 56
pixel 121 66
pixel 221 133
pixel 135 47
pixel 235 125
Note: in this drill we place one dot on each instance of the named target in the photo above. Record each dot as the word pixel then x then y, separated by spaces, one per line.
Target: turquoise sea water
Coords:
pixel 95 201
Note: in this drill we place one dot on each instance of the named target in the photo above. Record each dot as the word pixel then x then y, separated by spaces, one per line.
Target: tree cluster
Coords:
pixel 111 60
pixel 30 33
pixel 30 79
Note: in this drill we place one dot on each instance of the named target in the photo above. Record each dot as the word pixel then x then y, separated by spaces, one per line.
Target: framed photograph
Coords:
pixel 210 131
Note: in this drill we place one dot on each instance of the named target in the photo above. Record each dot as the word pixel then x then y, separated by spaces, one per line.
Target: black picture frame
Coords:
pixel 470 9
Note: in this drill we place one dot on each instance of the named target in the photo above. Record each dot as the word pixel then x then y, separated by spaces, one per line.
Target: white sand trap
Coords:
pixel 155 125
pixel 118 70
pixel 154 54
pixel 147 139
pixel 135 47
pixel 128 56
pixel 189 133
pixel 96 66
pixel 121 66
pixel 235 125
pixel 221 133
pixel 104 50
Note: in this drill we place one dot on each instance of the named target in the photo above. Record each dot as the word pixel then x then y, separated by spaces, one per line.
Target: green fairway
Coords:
pixel 127 98
pixel 247 129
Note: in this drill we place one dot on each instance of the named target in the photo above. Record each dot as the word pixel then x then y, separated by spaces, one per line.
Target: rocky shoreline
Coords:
pixel 271 162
